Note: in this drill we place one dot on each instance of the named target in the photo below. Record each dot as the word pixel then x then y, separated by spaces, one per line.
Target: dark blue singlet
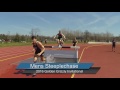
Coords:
pixel 113 43
pixel 37 49
pixel 74 43
pixel 59 36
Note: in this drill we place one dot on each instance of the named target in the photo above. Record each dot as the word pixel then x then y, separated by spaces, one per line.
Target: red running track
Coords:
pixel 101 56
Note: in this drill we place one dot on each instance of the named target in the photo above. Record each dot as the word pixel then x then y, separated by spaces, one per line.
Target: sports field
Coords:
pixel 100 54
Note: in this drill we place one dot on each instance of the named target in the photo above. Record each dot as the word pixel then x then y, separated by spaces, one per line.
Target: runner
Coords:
pixel 60 37
pixel 75 42
pixel 45 41
pixel 38 49
pixel 113 45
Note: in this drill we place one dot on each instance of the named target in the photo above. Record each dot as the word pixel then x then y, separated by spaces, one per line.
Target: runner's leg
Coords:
pixel 42 58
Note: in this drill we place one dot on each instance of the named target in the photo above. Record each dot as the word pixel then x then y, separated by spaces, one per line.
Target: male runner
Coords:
pixel 45 41
pixel 59 38
pixel 113 44
pixel 75 42
pixel 38 49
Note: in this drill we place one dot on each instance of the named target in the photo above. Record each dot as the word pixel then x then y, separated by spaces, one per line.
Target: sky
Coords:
pixel 50 23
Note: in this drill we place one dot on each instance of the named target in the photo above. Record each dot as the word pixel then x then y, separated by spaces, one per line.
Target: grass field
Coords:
pixel 14 44
pixel 6 44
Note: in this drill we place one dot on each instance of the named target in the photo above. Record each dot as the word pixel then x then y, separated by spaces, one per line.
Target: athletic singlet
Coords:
pixel 74 42
pixel 59 36
pixel 37 49
pixel 113 43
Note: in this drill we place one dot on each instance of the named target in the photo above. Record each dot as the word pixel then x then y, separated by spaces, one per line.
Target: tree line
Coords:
pixel 87 36
pixel 20 38
pixel 82 36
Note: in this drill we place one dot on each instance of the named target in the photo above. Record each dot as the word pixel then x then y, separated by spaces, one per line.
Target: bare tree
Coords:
pixel 108 36
pixel 32 32
pixel 86 35
pixel 35 32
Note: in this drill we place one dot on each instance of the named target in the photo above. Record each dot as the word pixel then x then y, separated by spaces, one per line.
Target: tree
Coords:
pixel 17 38
pixel 22 38
pixel 109 36
pixel 34 32
pixel 86 35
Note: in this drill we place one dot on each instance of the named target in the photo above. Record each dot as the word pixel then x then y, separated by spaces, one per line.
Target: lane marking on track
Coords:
pixel 13 52
pixel 9 50
pixel 15 57
pixel 73 75
pixel 12 55
pixel 23 60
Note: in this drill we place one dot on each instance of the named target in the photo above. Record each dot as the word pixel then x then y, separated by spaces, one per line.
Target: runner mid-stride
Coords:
pixel 38 49
pixel 60 37
pixel 75 42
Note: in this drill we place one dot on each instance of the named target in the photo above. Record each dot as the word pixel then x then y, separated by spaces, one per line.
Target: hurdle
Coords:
pixel 75 47
pixel 57 56
pixel 61 56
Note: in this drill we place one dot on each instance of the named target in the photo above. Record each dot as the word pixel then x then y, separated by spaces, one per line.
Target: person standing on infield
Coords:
pixel 113 45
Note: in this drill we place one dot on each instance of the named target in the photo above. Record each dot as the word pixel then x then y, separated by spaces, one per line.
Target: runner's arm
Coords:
pixel 33 50
pixel 73 41
pixel 64 36
pixel 76 42
pixel 55 36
